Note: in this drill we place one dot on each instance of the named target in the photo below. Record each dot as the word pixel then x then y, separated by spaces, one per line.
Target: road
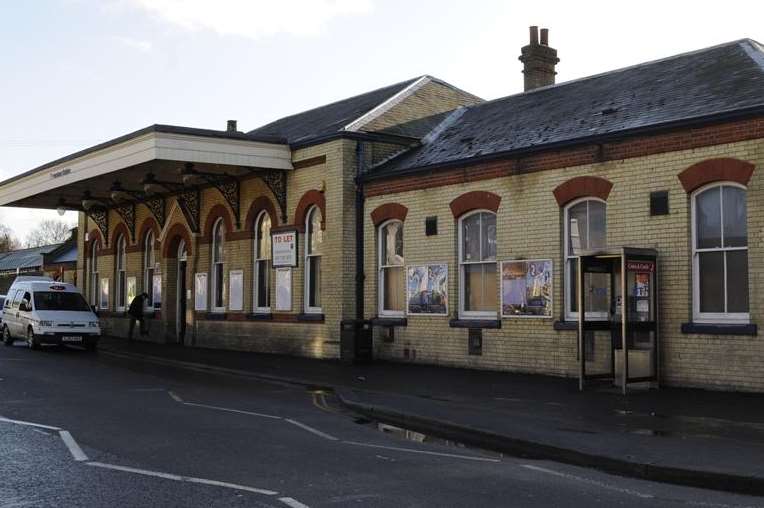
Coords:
pixel 83 429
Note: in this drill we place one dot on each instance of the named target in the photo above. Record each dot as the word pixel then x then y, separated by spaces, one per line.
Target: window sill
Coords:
pixel 565 325
pixel 475 323
pixel 389 322
pixel 316 318
pixel 720 328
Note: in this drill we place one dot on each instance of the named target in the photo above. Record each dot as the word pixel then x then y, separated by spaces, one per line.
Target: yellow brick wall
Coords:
pixel 529 225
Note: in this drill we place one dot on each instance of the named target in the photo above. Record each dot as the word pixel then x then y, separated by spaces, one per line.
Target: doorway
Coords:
pixel 180 317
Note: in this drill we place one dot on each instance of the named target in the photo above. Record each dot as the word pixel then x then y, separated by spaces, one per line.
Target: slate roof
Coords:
pixel 331 118
pixel 712 82
pixel 25 258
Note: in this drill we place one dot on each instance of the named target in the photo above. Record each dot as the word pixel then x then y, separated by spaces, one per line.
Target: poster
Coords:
pixel 200 291
pixel 132 284
pixel 156 288
pixel 427 289
pixel 103 298
pixel 526 288
pixel 284 248
pixel 283 289
pixel 641 284
pixel 236 289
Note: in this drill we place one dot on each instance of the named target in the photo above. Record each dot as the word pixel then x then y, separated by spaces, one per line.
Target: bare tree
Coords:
pixel 8 240
pixel 48 232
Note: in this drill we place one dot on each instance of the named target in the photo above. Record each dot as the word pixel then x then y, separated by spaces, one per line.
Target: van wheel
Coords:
pixel 7 339
pixel 31 340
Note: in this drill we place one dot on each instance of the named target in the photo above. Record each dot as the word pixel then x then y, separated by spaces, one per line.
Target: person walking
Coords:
pixel 135 311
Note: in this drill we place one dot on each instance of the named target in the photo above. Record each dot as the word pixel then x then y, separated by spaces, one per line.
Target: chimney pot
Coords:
pixel 232 126
pixel 545 37
pixel 534 35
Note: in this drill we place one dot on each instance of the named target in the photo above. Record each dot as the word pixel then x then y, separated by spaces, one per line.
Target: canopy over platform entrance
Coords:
pixel 149 165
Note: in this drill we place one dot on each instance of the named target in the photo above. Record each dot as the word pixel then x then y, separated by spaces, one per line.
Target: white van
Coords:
pixel 44 312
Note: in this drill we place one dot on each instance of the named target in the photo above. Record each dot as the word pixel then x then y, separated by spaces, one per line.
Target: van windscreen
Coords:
pixel 54 300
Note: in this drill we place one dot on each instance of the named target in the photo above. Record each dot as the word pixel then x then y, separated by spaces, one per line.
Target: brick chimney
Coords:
pixel 538 60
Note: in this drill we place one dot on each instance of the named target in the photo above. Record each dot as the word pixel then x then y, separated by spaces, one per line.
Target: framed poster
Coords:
pixel 131 286
pixel 236 290
pixel 526 288
pixel 200 291
pixel 427 289
pixel 157 291
pixel 103 295
pixel 284 248
pixel 283 289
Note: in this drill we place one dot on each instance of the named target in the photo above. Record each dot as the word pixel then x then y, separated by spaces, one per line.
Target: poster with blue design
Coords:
pixel 526 288
pixel 427 289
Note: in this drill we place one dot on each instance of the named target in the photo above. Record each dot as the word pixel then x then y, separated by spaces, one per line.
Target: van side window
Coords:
pixel 17 298
pixel 28 299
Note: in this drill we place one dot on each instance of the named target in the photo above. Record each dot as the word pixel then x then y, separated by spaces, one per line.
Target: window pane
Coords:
pixel 217 247
pixel 262 284
pixel 708 218
pixel 480 287
pixel 711 281
pixel 577 229
pixel 315 234
pixel 488 236
pixel 597 225
pixel 150 287
pixel 393 289
pixel 737 281
pixel 121 295
pixel 392 244
pixel 314 291
pixel 573 285
pixel 471 238
pixel 735 214
pixel 264 238
pixel 218 284
pixel 597 295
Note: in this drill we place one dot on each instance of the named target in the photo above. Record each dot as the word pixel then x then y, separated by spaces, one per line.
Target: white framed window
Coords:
pixel 478 277
pixel 262 278
pixel 720 254
pixel 121 274
pixel 314 248
pixel 585 229
pixel 149 262
pixel 217 275
pixel 95 247
pixel 392 289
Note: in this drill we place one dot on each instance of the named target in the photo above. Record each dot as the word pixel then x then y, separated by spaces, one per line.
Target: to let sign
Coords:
pixel 284 248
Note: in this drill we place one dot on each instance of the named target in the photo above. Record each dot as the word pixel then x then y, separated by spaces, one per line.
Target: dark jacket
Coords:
pixel 136 306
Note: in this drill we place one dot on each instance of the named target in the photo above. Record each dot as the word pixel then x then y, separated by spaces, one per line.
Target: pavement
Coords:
pixel 713 440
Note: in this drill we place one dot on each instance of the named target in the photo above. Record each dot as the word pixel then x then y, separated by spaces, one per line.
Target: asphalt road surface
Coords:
pixel 83 429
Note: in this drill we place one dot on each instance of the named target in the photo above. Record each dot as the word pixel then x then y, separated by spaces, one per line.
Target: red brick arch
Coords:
pixel 475 200
pixel 122 230
pixel 149 224
pixel 258 205
pixel 715 170
pixel 582 187
pixel 93 236
pixel 309 199
pixel 389 211
pixel 175 234
pixel 216 213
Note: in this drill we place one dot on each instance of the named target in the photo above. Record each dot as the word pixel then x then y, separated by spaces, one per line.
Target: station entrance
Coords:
pixel 618 329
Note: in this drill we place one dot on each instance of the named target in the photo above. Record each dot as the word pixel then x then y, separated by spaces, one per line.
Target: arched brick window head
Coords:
pixel 582 187
pixel 389 211
pixel 307 201
pixel 216 212
pixel 716 170
pixel 175 234
pixel 475 200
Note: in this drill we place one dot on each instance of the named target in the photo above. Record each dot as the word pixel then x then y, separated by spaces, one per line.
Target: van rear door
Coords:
pixel 11 317
pixel 25 314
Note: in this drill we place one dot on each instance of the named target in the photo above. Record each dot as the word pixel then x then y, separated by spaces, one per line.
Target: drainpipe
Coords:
pixel 360 154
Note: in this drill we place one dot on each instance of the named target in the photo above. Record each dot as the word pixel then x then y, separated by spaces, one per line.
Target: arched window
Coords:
pixel 720 253
pixel 314 248
pixel 478 281
pixel 218 282
pixel 149 261
pixel 585 229
pixel 120 275
pixel 262 262
pixel 95 247
pixel 391 271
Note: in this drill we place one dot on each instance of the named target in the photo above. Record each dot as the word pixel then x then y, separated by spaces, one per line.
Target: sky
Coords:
pixel 74 73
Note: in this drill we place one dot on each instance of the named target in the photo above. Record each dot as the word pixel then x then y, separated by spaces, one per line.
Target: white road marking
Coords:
pixel 40 431
pixel 74 448
pixel 311 429
pixel 293 503
pixel 588 481
pixel 174 396
pixel 179 478
pixel 423 452
pixel 29 424
pixel 218 408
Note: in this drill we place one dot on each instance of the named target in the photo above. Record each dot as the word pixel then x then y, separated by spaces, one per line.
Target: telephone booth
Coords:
pixel 618 330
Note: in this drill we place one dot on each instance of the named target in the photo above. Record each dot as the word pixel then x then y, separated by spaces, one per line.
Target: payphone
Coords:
pixel 631 355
